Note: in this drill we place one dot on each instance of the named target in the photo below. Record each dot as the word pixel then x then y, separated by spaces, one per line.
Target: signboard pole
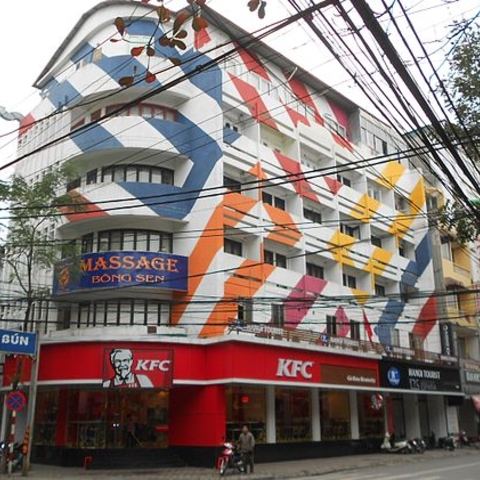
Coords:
pixel 11 443
pixel 32 400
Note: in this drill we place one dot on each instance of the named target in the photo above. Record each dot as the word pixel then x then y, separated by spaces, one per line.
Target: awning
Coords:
pixel 476 402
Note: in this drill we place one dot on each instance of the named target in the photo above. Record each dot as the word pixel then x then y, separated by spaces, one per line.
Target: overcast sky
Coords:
pixel 31 30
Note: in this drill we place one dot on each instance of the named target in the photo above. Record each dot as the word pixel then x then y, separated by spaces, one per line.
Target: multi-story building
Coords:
pixel 254 250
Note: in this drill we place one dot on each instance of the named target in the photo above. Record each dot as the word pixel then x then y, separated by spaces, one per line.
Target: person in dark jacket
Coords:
pixel 246 445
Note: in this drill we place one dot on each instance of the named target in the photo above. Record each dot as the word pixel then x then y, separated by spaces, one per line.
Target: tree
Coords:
pixel 34 210
pixel 463 89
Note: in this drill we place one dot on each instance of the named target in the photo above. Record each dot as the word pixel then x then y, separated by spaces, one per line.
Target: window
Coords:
pixel 416 341
pixel 314 270
pixel 394 337
pixel 87 243
pixel 278 314
pixel 349 281
pixel 73 184
pixel 354 330
pixel 233 247
pixel 375 193
pixel 346 181
pixel 137 173
pixel 331 325
pixel 379 290
pixel 231 184
pixel 401 203
pixel 377 241
pixel 312 215
pixel 446 248
pixel 277 202
pixel 92 176
pixel 231 126
pixel 274 258
pixel 350 230
pixel 245 310
pixel 402 248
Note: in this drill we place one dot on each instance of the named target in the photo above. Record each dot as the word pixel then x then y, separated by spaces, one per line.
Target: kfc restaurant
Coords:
pixel 188 395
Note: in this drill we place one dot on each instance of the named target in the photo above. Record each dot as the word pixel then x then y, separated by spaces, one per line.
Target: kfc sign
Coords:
pixel 293 368
pixel 142 368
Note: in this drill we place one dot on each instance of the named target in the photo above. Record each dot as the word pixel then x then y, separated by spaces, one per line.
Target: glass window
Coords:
pixel 377 241
pixel 167 177
pixel 232 184
pixel 107 174
pixel 354 330
pixel 370 415
pixel 112 316
pixel 233 247
pixel 246 405
pixel 153 313
pixel 156 175
pixel 278 314
pixel 92 176
pixel 131 174
pixel 46 418
pixel 315 270
pixel 87 243
pixel 103 241
pixel 267 198
pixel 379 290
pixel 331 324
pixel 115 240
pixel 312 215
pixel 293 415
pixel 335 415
pixel 73 184
pixel 144 174
pixel 142 241
pixel 128 240
pixel 125 312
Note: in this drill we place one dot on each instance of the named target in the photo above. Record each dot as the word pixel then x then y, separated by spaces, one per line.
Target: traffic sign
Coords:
pixel 16 400
pixel 12 341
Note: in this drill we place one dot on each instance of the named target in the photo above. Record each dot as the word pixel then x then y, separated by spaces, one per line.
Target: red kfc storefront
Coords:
pixel 190 395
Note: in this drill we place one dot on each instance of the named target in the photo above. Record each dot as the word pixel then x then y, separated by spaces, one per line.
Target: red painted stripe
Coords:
pixel 342 142
pixel 253 64
pixel 26 123
pixel 333 185
pixel 296 117
pixel 306 290
pixel 201 38
pixel 302 186
pixel 427 318
pixel 252 99
pixel 85 212
pixel 300 90
pixel 340 115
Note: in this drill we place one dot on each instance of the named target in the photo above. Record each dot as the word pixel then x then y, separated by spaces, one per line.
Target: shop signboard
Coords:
pixel 12 341
pixel 137 368
pixel 355 376
pixel 122 269
pixel 423 377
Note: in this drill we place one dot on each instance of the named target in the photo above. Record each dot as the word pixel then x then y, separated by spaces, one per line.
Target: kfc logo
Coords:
pixel 127 368
pixel 292 368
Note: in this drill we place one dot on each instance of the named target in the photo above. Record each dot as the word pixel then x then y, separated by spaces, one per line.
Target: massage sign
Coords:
pixel 122 269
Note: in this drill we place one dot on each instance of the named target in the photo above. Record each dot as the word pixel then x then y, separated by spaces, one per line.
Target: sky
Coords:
pixel 31 31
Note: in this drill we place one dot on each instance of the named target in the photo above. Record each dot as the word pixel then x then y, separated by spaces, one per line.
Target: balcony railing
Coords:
pixel 338 343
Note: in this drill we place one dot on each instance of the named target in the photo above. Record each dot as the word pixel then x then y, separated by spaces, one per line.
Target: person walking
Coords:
pixel 246 444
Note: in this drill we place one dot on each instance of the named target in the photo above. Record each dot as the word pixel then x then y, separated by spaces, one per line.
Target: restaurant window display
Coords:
pixel 371 415
pixel 335 415
pixel 46 417
pixel 246 405
pixel 117 419
pixel 293 415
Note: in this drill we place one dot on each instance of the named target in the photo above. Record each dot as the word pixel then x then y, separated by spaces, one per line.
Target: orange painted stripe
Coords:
pixel 85 211
pixel 284 231
pixel 208 245
pixel 245 282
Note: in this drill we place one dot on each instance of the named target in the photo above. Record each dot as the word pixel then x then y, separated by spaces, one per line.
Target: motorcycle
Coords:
pixel 447 443
pixel 399 446
pixel 230 460
pixel 17 457
pixel 417 445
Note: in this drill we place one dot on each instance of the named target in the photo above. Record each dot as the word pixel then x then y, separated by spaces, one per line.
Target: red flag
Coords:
pixel 367 326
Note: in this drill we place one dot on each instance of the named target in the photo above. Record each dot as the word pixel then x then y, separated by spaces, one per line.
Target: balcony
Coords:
pixel 346 345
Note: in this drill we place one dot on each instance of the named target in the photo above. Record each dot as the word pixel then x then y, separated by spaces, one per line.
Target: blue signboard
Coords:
pixel 18 342
pixel 122 269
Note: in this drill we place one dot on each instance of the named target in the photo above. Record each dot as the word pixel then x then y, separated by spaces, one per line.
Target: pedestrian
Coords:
pixel 246 444
pixel 130 428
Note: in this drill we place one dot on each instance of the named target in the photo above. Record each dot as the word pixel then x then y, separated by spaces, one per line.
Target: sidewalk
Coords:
pixel 263 471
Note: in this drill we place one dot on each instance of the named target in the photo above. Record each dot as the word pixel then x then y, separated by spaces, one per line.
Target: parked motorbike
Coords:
pixel 448 442
pixel 230 460
pixel 417 445
pixel 399 446
pixel 17 458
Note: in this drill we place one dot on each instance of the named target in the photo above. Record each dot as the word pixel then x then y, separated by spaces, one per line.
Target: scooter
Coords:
pixel 17 458
pixel 400 446
pixel 417 445
pixel 230 460
pixel 447 443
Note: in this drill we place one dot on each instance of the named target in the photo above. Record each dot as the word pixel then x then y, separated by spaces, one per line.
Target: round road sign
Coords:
pixel 16 400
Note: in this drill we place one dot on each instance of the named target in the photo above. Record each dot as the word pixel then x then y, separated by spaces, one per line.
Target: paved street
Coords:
pixel 433 469
pixel 433 465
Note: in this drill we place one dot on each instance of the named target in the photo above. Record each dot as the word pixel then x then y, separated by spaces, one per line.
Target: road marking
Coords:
pixel 435 470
